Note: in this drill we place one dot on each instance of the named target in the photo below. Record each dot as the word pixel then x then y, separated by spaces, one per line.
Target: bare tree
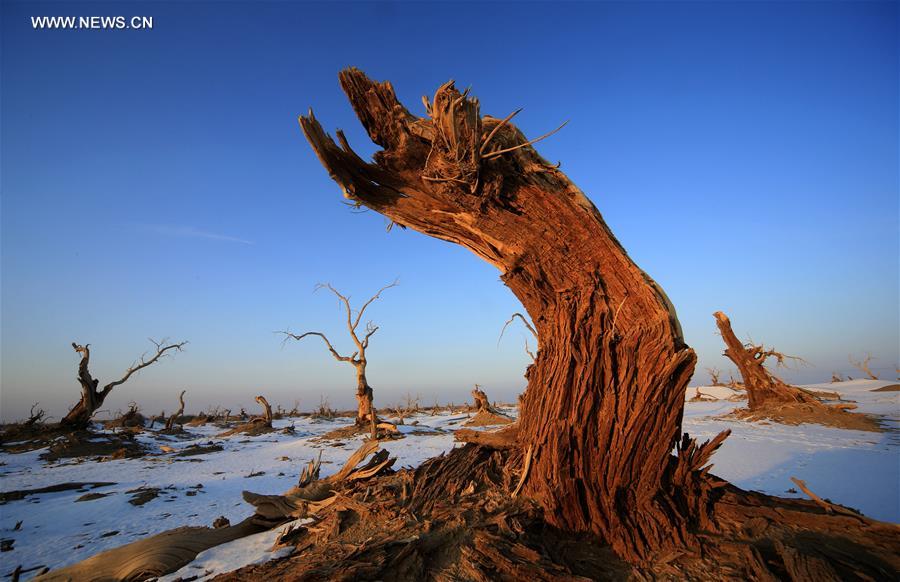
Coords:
pixel 412 403
pixel 863 365
pixel 91 397
pixel 325 410
pixel 170 423
pixel 714 374
pixel 836 377
pixel 34 417
pixel 364 412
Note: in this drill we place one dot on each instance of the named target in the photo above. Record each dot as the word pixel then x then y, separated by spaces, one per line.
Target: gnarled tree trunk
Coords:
pixel 603 407
pixel 365 413
pixel 762 387
pixel 92 397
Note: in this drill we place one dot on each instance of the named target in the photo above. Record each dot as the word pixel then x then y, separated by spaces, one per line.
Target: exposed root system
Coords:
pixel 455 518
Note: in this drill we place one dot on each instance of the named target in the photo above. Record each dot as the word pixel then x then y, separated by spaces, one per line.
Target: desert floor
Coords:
pixel 858 469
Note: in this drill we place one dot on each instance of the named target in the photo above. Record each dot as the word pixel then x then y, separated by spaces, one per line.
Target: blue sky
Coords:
pixel 155 183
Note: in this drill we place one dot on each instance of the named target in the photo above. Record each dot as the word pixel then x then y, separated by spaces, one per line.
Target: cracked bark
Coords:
pixel 611 353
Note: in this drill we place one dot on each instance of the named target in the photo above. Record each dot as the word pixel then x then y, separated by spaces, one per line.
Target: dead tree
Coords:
pixel 609 337
pixel 91 397
pixel 266 418
pixel 364 411
pixel 603 408
pixel 485 414
pixel 863 365
pixel 763 388
pixel 482 404
pixel 411 403
pixel 170 423
pixel 132 417
pixel 714 374
pixel 34 417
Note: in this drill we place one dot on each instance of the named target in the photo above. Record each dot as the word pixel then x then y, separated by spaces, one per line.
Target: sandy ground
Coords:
pixel 854 468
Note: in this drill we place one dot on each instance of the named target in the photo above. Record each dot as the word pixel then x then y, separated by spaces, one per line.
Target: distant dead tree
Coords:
pixel 131 417
pixel 762 387
pixel 91 397
pixel 325 410
pixel 267 411
pixel 836 377
pixel 863 365
pixel 170 423
pixel 412 403
pixel 365 414
pixel 482 404
pixel 714 374
pixel 35 417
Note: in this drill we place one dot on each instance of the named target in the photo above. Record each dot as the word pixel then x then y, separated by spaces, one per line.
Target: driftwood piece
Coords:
pixel 151 557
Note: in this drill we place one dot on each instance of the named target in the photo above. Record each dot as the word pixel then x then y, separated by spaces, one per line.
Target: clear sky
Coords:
pixel 155 183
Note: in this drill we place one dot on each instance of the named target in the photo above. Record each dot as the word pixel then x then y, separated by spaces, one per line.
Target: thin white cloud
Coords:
pixel 192 232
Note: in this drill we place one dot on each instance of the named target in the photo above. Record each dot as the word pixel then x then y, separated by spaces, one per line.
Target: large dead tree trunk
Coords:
pixel 91 397
pixel 603 407
pixel 365 413
pixel 763 388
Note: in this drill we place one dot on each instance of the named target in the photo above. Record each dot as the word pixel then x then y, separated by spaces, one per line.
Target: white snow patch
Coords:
pixel 254 549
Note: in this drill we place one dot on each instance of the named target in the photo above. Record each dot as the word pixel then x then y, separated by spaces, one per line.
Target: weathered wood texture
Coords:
pixel 604 402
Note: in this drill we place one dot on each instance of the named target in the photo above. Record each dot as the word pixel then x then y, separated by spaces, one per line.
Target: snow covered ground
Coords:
pixel 854 468
pixel 857 469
